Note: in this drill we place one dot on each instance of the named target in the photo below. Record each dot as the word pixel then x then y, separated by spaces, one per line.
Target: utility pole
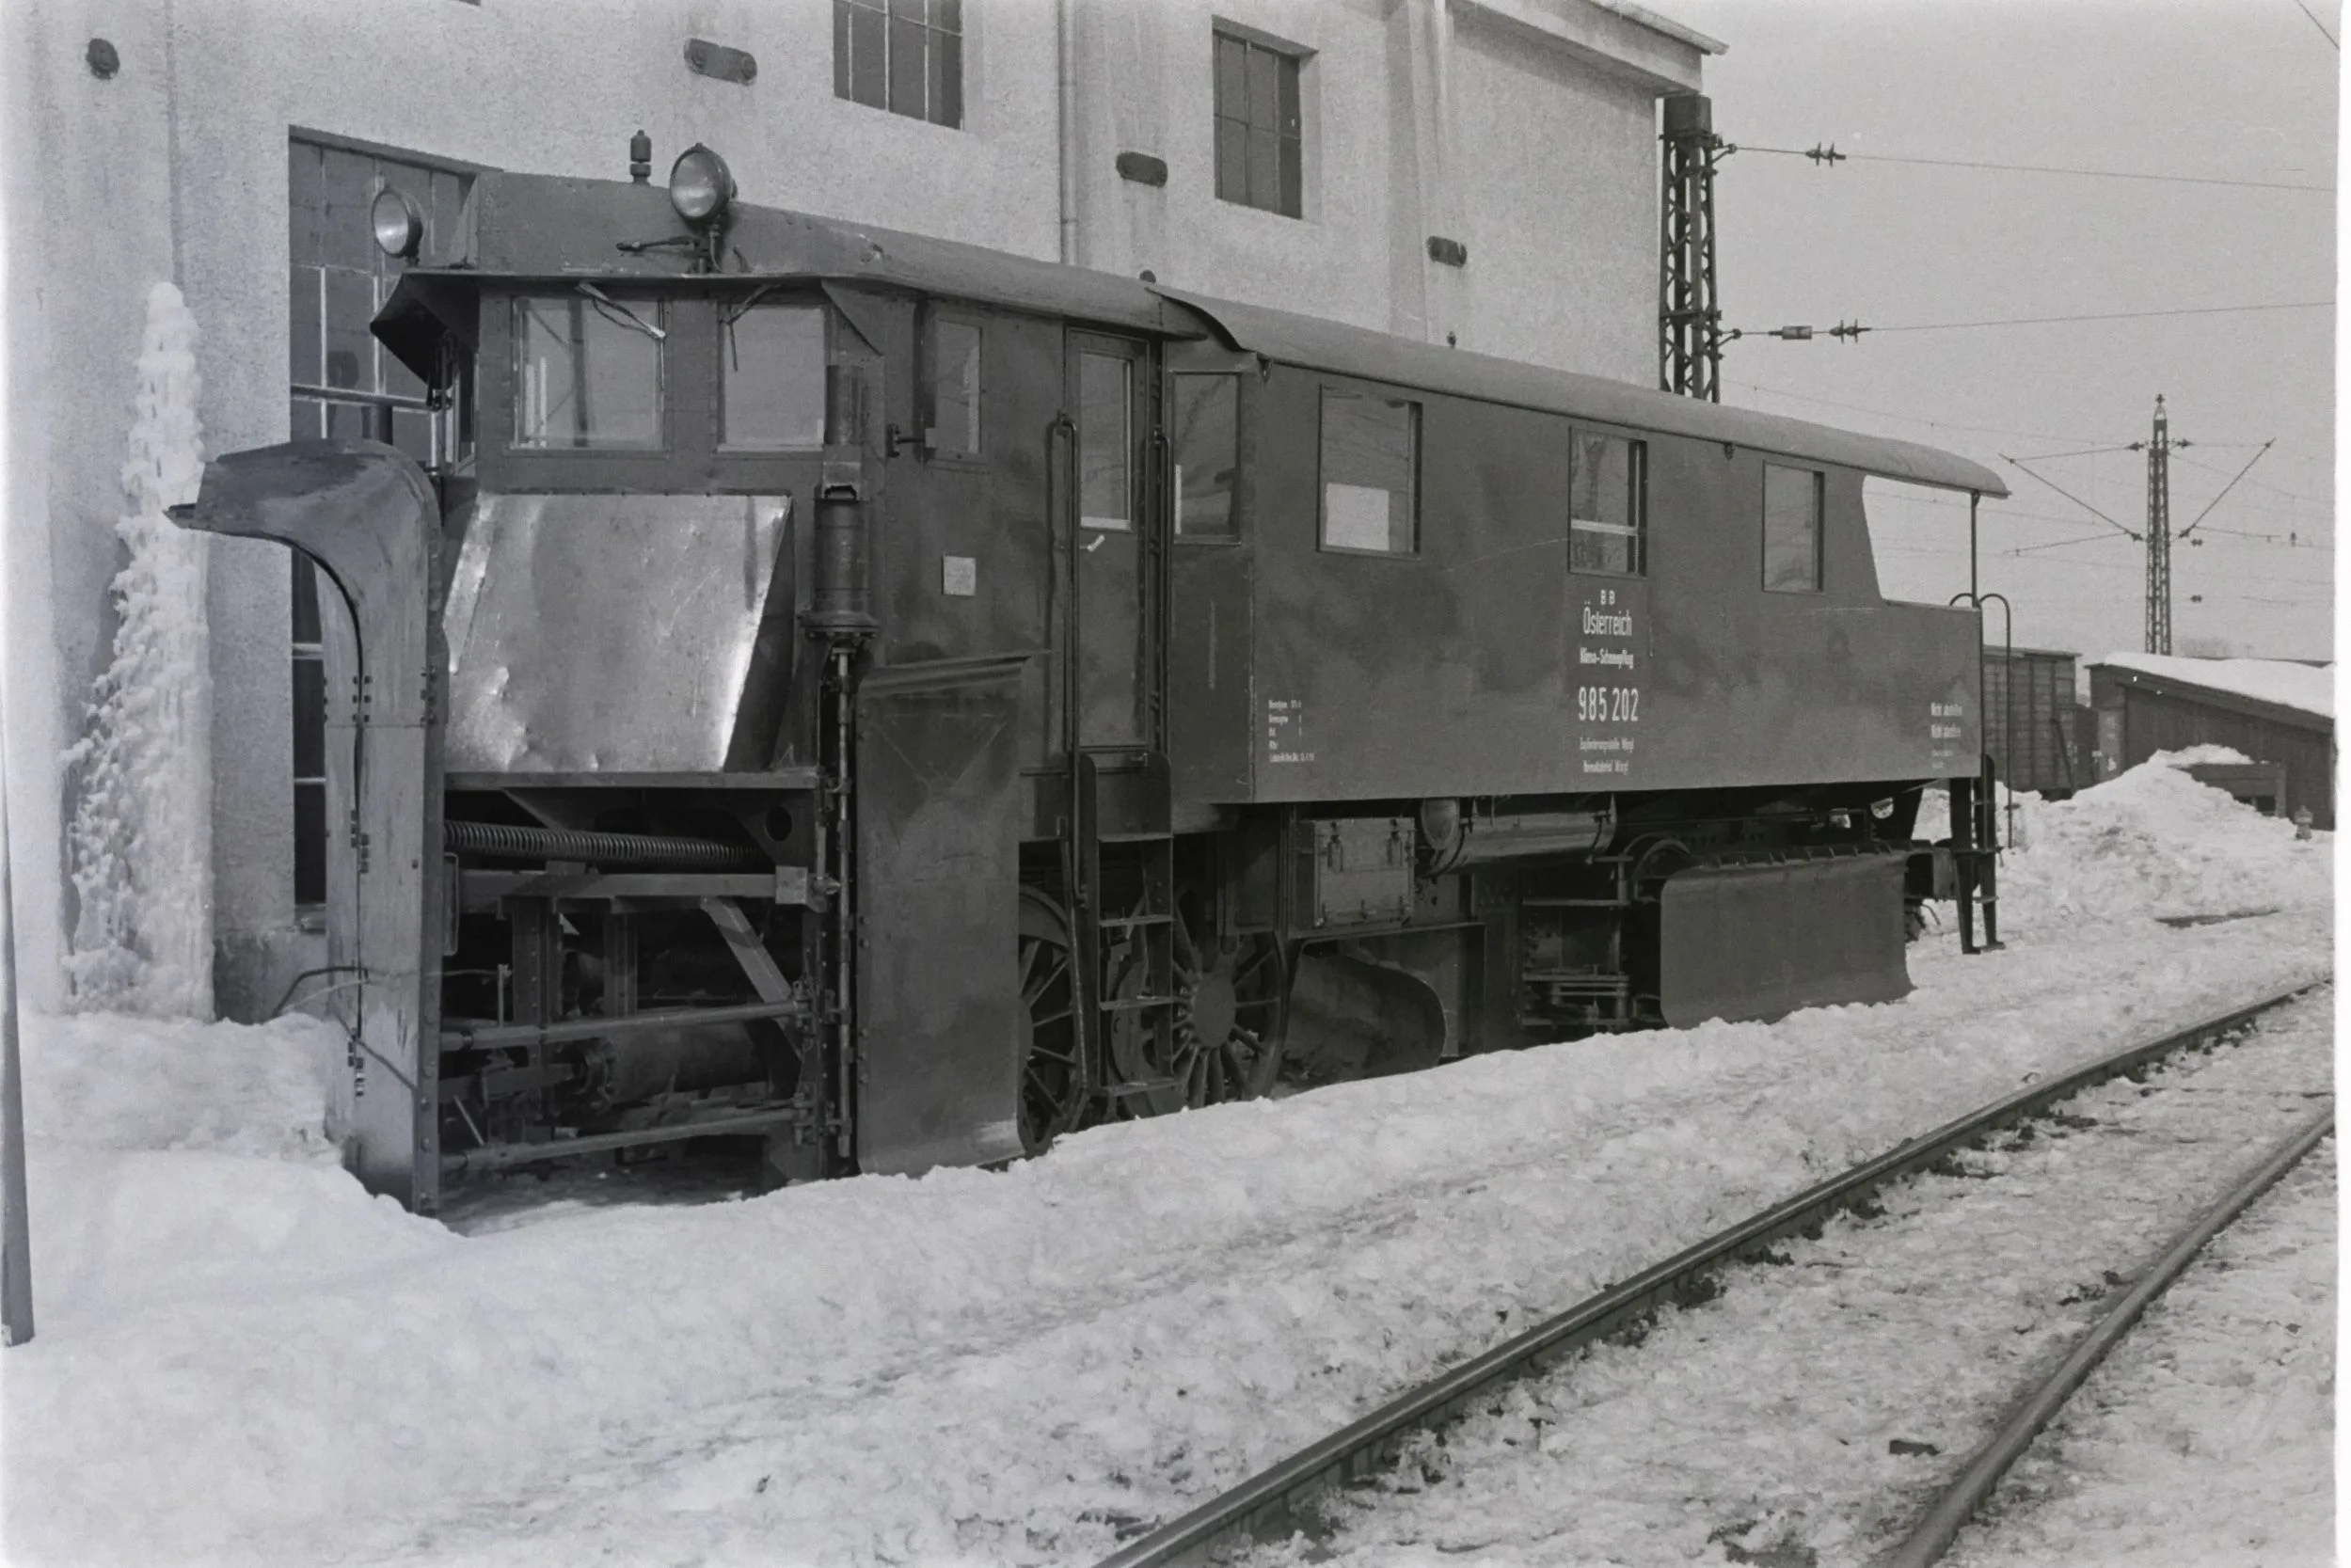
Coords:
pixel 1690 319
pixel 2159 530
pixel 16 1249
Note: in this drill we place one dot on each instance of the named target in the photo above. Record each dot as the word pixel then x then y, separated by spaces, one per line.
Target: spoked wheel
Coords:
pixel 1055 1083
pixel 1231 1014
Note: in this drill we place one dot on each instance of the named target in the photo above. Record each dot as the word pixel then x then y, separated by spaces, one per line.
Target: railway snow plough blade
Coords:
pixel 1759 941
pixel 1351 1018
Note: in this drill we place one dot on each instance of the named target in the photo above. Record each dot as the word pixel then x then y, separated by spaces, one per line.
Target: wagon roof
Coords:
pixel 1377 355
pixel 562 229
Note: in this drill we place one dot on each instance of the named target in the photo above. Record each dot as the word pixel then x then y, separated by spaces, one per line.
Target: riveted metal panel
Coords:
pixel 606 633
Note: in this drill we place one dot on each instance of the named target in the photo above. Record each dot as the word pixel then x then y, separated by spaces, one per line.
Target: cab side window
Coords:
pixel 1792 530
pixel 1370 458
pixel 587 372
pixel 953 371
pixel 1607 526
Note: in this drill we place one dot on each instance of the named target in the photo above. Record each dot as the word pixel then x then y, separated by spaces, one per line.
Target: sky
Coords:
pixel 2210 89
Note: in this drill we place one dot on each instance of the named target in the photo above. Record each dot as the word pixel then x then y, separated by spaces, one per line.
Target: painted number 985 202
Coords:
pixel 1607 704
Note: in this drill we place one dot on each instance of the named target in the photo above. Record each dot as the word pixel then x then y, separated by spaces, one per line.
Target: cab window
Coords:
pixel 587 372
pixel 770 376
pixel 1606 530
pixel 955 397
pixel 1371 450
pixel 1105 493
pixel 1792 530
pixel 1207 453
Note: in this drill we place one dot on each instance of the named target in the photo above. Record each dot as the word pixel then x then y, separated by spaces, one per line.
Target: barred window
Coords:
pixel 1606 529
pixel 1259 133
pixel 903 56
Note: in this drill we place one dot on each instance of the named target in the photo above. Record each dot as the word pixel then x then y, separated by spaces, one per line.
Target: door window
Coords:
pixel 1207 410
pixel 1105 443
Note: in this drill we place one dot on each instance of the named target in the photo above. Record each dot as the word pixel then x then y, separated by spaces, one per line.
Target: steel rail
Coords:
pixel 1931 1536
pixel 1268 1497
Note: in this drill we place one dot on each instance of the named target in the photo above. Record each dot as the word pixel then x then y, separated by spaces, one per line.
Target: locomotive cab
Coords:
pixel 898 702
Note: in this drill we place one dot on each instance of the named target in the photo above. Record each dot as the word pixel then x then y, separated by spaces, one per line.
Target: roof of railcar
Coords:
pixel 533 227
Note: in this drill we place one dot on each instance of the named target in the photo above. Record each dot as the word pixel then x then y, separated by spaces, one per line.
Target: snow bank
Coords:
pixel 102 1081
pixel 2153 842
pixel 141 835
pixel 246 1361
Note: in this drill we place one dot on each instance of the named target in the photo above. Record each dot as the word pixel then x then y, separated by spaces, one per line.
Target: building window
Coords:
pixel 954 382
pixel 1370 449
pixel 1257 125
pixel 903 56
pixel 1792 530
pixel 771 378
pixel 342 383
pixel 1606 527
pixel 1207 454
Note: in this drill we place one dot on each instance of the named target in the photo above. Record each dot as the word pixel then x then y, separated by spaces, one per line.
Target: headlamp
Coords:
pixel 700 186
pixel 399 227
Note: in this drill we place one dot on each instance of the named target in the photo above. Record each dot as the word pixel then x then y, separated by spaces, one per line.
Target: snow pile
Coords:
pixel 2153 842
pixel 100 1081
pixel 141 833
pixel 2308 687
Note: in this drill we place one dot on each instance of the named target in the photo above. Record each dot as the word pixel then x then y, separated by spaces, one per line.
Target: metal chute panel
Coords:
pixel 367 517
pixel 938 814
pixel 1759 942
pixel 611 633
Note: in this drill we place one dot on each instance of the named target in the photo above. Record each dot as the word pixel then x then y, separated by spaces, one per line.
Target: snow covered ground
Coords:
pixel 2206 1438
pixel 1814 1409
pixel 244 1359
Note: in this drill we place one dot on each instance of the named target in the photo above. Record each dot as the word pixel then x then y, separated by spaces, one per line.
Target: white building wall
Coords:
pixel 177 168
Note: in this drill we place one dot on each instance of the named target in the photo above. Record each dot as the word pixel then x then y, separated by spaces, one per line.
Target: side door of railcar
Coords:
pixel 1107 530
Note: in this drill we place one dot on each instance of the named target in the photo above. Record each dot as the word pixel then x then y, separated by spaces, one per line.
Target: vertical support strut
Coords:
pixel 1988 852
pixel 1690 318
pixel 840 617
pixel 1964 819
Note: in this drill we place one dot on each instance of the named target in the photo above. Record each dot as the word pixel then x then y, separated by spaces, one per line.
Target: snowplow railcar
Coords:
pixel 899 702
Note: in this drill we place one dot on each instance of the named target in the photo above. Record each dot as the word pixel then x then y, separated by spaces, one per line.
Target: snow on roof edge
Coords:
pixel 2306 689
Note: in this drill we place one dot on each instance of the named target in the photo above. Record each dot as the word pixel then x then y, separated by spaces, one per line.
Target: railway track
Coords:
pixel 1286 1497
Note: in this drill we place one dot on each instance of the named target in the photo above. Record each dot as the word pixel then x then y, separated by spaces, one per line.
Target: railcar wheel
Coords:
pixel 1232 1015
pixel 1055 1083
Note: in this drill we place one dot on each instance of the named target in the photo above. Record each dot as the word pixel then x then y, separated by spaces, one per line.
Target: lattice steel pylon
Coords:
pixel 1690 319
pixel 2159 534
